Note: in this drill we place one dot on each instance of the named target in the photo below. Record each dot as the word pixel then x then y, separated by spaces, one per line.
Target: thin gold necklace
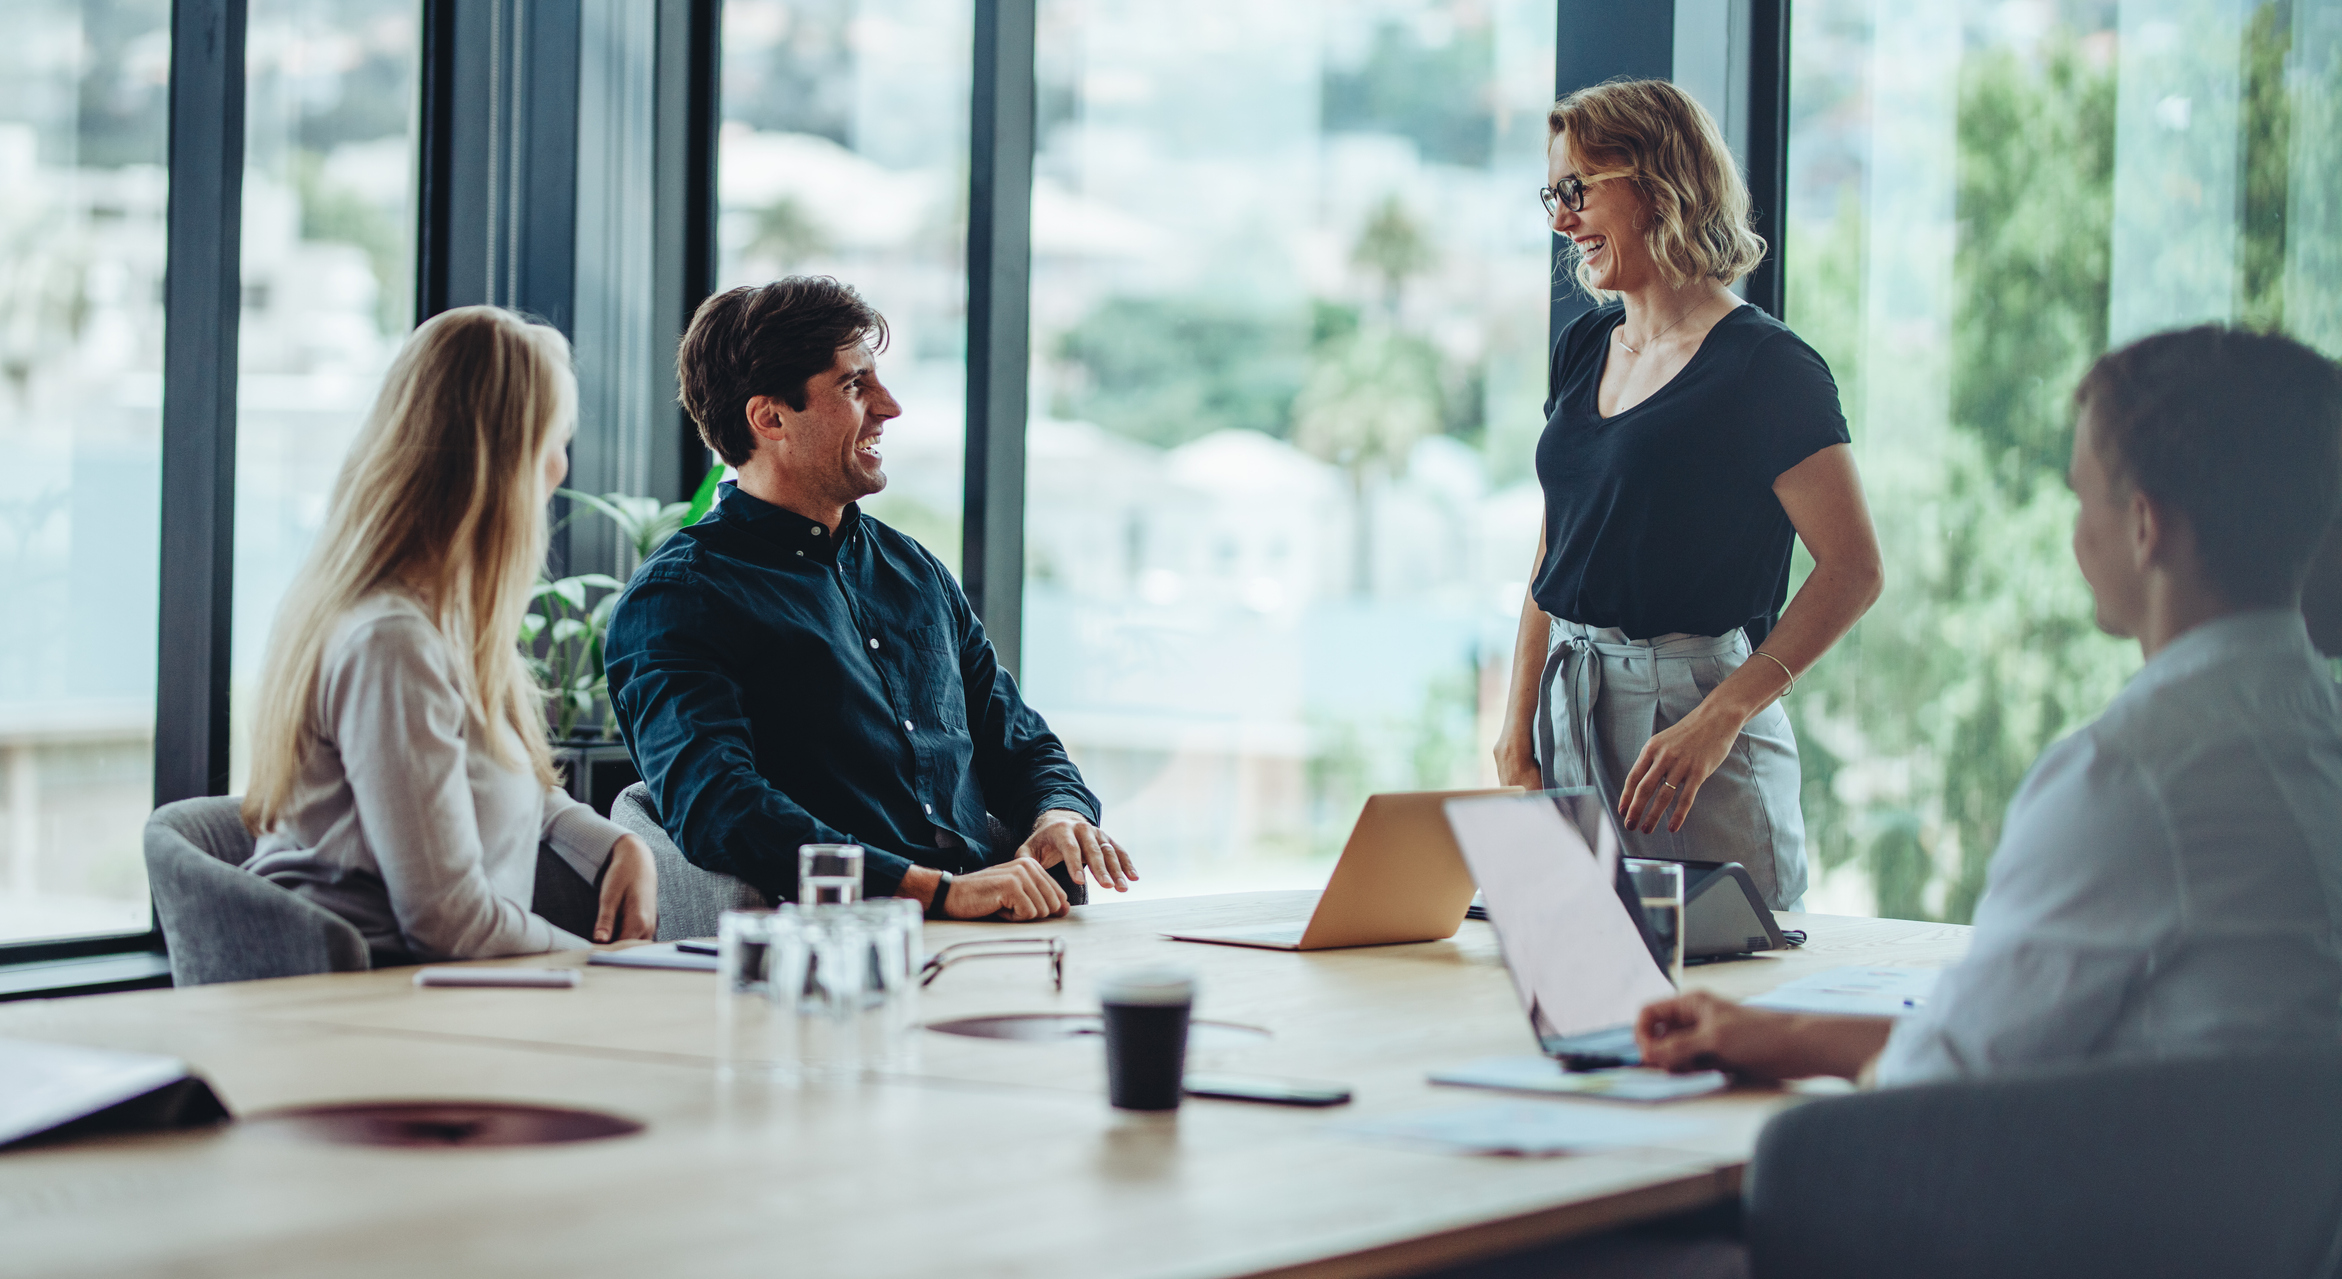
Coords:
pixel 1620 331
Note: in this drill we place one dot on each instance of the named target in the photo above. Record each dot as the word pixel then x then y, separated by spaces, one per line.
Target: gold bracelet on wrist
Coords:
pixel 1784 670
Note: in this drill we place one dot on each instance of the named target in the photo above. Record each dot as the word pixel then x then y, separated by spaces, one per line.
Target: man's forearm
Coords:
pixel 919 885
pixel 1812 1044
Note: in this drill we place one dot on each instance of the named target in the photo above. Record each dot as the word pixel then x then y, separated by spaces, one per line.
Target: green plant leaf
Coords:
pixel 601 580
pixel 704 500
pixel 567 629
pixel 531 626
pixel 572 590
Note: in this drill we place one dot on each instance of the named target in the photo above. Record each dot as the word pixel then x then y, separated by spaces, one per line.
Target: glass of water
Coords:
pixel 751 1040
pixel 829 874
pixel 846 981
pixel 743 942
pixel 1660 887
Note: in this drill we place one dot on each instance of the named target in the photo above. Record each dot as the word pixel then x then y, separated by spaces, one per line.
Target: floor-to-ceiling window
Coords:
pixel 1289 313
pixel 844 152
pixel 84 117
pixel 328 276
pixel 1983 198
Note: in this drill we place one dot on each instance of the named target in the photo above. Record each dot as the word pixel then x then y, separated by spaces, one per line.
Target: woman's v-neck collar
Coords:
pixel 1699 353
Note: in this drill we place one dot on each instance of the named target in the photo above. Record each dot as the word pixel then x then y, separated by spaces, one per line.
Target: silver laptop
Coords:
pixel 1551 871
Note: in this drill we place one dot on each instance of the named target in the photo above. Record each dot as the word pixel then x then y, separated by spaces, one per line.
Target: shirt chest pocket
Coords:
pixel 932 656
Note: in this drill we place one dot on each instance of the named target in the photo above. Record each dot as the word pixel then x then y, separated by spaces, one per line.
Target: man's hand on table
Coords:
pixel 1698 1031
pixel 1089 854
pixel 1017 889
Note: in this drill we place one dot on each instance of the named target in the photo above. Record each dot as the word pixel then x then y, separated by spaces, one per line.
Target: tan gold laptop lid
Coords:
pixel 1401 877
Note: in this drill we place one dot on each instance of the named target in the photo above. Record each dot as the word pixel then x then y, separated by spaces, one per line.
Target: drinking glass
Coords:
pixel 829 874
pixel 1659 885
pixel 846 979
pixel 751 1040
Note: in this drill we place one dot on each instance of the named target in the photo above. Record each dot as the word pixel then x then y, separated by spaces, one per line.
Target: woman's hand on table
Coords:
pixel 630 894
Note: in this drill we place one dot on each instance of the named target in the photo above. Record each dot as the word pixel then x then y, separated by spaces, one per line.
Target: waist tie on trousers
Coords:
pixel 1575 664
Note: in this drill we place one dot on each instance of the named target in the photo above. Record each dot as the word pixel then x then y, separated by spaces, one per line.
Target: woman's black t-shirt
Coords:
pixel 1663 518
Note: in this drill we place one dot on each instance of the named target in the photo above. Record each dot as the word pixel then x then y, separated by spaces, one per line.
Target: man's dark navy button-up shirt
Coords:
pixel 779 685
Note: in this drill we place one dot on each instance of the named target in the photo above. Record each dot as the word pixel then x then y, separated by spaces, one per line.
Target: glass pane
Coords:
pixel 844 152
pixel 1982 198
pixel 1289 324
pixel 331 97
pixel 84 115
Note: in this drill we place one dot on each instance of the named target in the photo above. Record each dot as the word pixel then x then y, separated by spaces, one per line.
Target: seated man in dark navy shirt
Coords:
pixel 791 671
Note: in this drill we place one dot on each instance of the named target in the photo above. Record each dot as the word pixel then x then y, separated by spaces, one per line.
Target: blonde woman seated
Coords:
pixel 400 774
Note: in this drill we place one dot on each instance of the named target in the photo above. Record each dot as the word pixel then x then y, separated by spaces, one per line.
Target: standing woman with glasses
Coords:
pixel 1689 438
pixel 400 773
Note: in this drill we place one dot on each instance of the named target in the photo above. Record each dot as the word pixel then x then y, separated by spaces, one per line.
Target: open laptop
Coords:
pixel 1399 880
pixel 1724 916
pixel 1552 872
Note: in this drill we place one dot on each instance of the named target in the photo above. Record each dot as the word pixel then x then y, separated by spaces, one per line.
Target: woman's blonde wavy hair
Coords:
pixel 441 498
pixel 1661 139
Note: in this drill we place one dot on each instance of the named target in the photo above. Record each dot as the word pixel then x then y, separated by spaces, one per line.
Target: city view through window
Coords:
pixel 84 117
pixel 328 228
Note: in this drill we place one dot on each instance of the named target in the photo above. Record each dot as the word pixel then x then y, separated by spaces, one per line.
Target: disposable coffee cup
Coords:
pixel 1146 1036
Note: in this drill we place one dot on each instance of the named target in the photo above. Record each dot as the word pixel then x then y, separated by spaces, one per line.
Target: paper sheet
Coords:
pixel 1523 1128
pixel 1854 992
pixel 656 955
pixel 43 1085
pixel 1545 1075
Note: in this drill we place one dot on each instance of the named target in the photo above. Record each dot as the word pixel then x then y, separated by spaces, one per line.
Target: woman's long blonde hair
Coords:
pixel 442 499
pixel 1662 140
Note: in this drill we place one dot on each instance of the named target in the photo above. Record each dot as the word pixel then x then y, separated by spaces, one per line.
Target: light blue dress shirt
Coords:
pixel 2169 879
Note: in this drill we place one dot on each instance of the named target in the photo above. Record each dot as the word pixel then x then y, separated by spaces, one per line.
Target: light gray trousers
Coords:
pixel 1602 696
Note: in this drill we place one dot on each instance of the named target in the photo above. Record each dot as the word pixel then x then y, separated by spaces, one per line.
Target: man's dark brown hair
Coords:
pixel 765 339
pixel 2240 432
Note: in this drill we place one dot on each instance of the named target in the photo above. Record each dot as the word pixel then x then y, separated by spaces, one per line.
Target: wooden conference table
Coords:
pixel 992 1158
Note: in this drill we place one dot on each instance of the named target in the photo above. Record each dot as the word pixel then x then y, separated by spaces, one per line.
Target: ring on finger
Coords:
pixel 1668 785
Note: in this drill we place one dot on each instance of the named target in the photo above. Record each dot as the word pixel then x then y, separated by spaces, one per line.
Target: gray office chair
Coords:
pixel 223 923
pixel 690 899
pixel 2209 1167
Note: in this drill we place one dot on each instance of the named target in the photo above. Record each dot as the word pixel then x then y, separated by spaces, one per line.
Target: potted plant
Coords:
pixel 562 636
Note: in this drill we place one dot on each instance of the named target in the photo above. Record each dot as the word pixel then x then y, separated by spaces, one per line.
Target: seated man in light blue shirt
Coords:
pixel 2169 879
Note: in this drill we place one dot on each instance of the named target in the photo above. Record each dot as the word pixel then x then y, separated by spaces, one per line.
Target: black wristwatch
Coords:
pixel 942 891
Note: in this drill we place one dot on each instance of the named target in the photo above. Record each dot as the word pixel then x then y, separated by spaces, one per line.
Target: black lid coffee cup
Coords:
pixel 1146 1013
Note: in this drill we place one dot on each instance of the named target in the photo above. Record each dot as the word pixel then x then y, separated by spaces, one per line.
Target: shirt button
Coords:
pixel 800 552
pixel 907 726
pixel 873 641
pixel 818 530
pixel 930 809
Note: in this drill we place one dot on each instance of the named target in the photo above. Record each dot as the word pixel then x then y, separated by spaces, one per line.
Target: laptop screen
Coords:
pixel 1579 960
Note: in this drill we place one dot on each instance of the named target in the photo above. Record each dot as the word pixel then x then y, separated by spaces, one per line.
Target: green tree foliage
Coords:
pixel 2036 208
pixel 1169 370
pixel 788 234
pixel 1984 649
pixel 2268 165
pixel 1394 248
pixel 1432 93
pixel 337 215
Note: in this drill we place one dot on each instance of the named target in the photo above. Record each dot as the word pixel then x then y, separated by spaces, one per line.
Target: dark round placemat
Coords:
pixel 441 1124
